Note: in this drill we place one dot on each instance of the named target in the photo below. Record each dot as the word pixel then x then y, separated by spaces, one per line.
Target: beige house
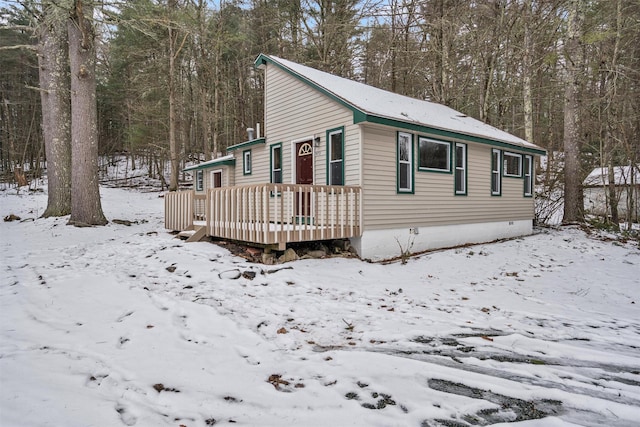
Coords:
pixel 340 159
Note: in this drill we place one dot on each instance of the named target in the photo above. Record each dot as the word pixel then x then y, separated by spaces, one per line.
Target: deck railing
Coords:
pixel 269 213
pixel 178 210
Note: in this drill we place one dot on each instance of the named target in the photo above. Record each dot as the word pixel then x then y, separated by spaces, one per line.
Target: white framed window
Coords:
pixel 434 155
pixel 460 175
pixel 335 157
pixel 528 176
pixel 512 164
pixel 405 163
pixel 246 162
pixel 496 174
pixel 199 180
pixel 216 179
pixel 276 164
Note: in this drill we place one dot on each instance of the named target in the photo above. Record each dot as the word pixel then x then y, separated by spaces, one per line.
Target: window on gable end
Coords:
pixel 335 157
pixel 276 164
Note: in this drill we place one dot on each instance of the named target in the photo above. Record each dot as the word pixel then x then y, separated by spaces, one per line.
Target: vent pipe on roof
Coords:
pixel 250 132
pixel 257 130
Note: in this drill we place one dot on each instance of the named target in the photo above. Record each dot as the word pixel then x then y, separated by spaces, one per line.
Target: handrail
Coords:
pixel 270 213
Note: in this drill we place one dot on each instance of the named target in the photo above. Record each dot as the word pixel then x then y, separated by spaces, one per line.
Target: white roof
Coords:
pixel 382 103
pixel 209 163
pixel 621 175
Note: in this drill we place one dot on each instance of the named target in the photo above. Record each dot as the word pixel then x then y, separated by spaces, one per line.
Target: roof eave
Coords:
pixel 418 127
pixel 226 162
pixel 246 144
pixel 360 115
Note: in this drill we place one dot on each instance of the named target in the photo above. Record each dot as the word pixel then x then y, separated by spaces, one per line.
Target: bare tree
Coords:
pixel 527 71
pixel 86 208
pixel 573 200
pixel 53 60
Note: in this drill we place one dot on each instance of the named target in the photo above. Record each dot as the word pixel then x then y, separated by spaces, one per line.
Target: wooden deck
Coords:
pixel 268 214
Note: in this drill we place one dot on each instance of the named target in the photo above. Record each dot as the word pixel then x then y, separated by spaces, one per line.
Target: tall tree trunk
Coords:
pixel 611 92
pixel 173 128
pixel 527 70
pixel 53 59
pixel 86 208
pixel 573 200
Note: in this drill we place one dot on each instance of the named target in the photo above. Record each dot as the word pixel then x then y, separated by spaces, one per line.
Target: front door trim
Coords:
pixel 294 157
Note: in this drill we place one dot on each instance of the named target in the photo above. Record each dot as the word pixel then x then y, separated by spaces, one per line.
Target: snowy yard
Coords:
pixel 126 325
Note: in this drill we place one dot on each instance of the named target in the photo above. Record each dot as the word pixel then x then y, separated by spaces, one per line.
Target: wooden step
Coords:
pixel 200 232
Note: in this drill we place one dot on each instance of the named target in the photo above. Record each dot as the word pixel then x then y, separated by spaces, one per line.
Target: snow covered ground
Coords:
pixel 127 325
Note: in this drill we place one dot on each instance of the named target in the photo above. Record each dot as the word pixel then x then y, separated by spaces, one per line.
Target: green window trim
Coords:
pixel 409 188
pixel 460 169
pixel 199 180
pixel 510 159
pixel 246 162
pixel 275 163
pixel 527 169
pixel 427 140
pixel 496 172
pixel 275 159
pixel 335 163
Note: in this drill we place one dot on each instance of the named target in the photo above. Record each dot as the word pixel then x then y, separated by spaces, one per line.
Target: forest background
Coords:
pixel 174 80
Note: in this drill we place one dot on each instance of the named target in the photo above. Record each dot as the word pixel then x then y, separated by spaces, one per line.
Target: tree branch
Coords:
pixel 20 46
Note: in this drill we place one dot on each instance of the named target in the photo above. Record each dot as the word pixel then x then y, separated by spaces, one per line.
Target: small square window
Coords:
pixel 512 164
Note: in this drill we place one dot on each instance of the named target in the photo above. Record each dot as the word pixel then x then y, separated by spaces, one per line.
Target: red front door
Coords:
pixel 304 175
pixel 304 163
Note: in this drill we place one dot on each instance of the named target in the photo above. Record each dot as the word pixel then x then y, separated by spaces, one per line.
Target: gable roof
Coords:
pixel 622 175
pixel 374 105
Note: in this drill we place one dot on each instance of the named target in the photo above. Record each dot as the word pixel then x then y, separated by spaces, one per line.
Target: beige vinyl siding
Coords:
pixel 294 111
pixel 434 201
pixel 228 178
pixel 260 173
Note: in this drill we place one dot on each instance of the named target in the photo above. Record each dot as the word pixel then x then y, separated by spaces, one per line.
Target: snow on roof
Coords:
pixel 213 162
pixel 621 175
pixel 382 103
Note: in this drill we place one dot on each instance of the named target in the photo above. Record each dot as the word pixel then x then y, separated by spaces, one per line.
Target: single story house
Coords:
pixel 341 159
pixel 627 190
